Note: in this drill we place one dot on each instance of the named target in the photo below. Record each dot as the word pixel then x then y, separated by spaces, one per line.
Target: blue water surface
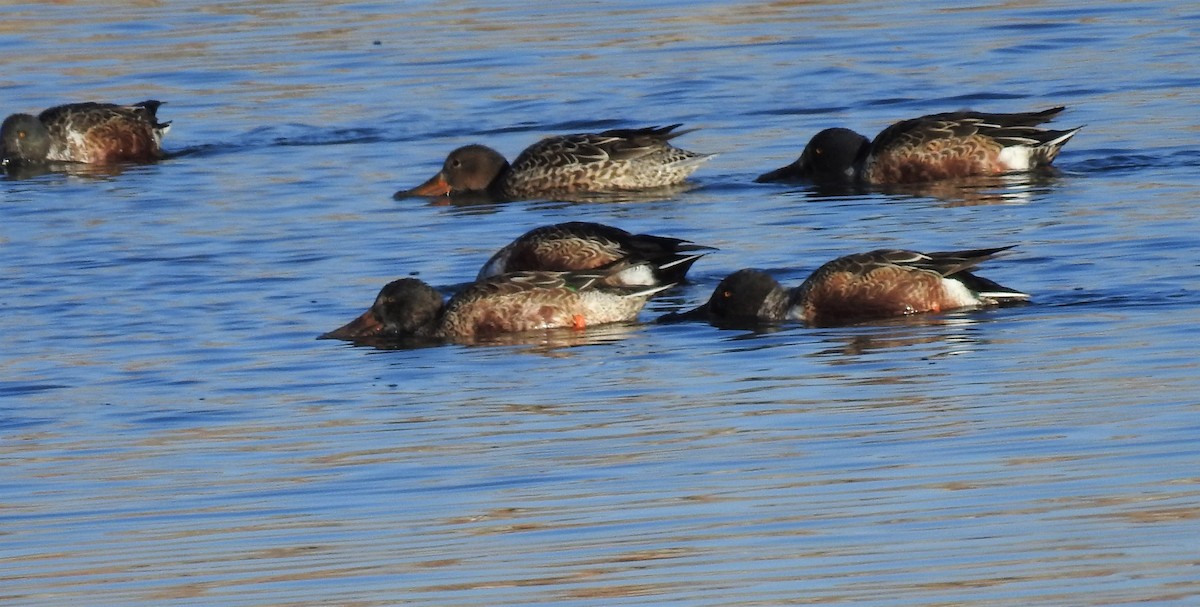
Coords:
pixel 173 433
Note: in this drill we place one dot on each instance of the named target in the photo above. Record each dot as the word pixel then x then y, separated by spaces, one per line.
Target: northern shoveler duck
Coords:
pixel 929 148
pixel 509 303
pixel 616 160
pixel 581 245
pixel 879 284
pixel 96 133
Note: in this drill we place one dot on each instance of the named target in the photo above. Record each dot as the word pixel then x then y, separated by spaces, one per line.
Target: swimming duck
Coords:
pixel 581 245
pixel 878 284
pixel 95 133
pixel 508 303
pixel 929 148
pixel 615 160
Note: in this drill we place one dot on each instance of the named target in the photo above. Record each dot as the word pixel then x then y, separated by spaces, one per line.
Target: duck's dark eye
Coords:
pixel 456 163
pixel 819 151
pixel 727 294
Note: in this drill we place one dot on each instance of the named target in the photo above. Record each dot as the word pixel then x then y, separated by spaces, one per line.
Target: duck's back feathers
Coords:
pixel 526 301
pixel 576 246
pixel 897 282
pixel 102 133
pixel 960 144
pixel 929 148
pixel 619 159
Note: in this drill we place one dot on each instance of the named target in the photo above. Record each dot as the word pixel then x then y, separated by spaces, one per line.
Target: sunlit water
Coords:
pixel 172 433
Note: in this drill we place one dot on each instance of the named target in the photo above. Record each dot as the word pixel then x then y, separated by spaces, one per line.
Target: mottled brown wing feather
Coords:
pixel 102 132
pixel 627 159
pixel 883 283
pixel 121 139
pixel 880 293
pixel 511 312
pixel 956 144
pixel 922 150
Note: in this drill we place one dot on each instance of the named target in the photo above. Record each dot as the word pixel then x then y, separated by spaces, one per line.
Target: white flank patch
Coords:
pixel 74 142
pixel 963 297
pixel 1016 157
pixel 639 275
pixel 76 139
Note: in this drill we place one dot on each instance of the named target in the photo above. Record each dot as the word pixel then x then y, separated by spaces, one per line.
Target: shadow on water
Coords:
pixel 958 331
pixel 21 171
pixel 483 202
pixel 550 342
pixel 857 337
pixel 1013 188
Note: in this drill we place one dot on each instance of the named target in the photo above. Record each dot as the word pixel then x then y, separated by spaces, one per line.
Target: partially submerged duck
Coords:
pixel 879 284
pixel 615 160
pixel 580 245
pixel 929 148
pixel 93 133
pixel 508 303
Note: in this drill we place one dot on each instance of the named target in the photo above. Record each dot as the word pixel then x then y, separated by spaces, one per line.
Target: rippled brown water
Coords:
pixel 171 433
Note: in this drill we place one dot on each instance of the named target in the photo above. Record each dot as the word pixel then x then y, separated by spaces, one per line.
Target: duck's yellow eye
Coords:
pixel 20 134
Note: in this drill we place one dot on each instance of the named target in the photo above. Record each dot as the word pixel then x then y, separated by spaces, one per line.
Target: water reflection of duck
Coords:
pixel 509 303
pixel 94 133
pixel 580 245
pixel 615 160
pixel 879 284
pixel 929 148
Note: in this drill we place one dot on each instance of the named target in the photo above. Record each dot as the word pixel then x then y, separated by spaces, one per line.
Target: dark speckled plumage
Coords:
pixel 615 160
pixel 509 303
pixel 930 148
pixel 878 284
pixel 95 133
pixel 579 245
